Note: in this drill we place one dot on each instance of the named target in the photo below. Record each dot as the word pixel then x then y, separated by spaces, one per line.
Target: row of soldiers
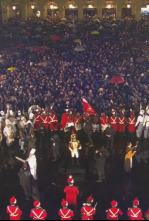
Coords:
pixel 38 119
pixel 88 209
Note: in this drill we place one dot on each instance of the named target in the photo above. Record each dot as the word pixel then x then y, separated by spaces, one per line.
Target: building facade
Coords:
pixel 27 9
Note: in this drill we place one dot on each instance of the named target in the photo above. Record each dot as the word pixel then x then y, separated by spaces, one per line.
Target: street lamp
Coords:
pixel 32 7
pixel 109 6
pixel 14 7
pixel 128 6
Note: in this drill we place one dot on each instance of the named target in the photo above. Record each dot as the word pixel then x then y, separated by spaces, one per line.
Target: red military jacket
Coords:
pixel 104 120
pixel 66 214
pixel 53 122
pixel 38 214
pixel 44 120
pixel 147 215
pixel 87 213
pixel 121 124
pixel 78 120
pixel 71 195
pixel 37 121
pixel 114 122
pixel 14 212
pixel 113 214
pixel 131 124
pixel 135 214
pixel 64 121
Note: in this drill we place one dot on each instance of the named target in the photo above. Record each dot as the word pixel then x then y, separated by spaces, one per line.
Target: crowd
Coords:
pixel 47 67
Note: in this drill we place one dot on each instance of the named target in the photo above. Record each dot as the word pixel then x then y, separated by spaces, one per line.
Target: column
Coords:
pixel 41 5
pixel 100 4
pixel 4 11
pixel 119 9
pixel 80 9
pixel 137 9
pixel 61 8
pixel 23 6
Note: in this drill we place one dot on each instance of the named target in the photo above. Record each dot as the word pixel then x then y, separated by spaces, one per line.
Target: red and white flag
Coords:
pixel 87 108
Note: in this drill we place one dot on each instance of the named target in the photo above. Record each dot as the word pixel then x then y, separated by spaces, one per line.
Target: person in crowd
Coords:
pixel 100 161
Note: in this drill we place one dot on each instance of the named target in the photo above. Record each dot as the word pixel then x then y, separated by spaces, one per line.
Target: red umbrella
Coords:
pixel 19 46
pixel 140 60
pixel 37 49
pixel 55 38
pixel 117 80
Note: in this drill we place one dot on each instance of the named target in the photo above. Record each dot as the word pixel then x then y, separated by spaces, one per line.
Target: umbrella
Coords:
pixel 19 46
pixel 37 49
pixel 55 38
pixel 77 40
pixel 79 49
pixel 95 33
pixel 42 64
pixel 12 69
pixel 117 80
pixel 140 60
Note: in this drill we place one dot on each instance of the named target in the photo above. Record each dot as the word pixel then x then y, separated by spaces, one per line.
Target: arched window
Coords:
pixel 51 9
pixel 109 10
pixel 90 9
pixel 71 9
pixel 33 10
pixel 127 9
pixel 14 10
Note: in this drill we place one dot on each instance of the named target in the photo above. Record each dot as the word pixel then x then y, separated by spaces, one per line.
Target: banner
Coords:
pixel 87 108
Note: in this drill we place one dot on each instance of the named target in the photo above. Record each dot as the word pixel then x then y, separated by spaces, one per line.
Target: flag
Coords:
pixel 87 108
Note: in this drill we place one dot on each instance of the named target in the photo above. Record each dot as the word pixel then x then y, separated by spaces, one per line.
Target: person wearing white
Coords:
pixel 8 133
pixel 146 125
pixel 139 124
pixel 32 161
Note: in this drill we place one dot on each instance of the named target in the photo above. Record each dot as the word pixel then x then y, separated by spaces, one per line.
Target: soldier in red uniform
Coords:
pixel 135 213
pixel 113 120
pixel 53 121
pixel 71 192
pixel 87 210
pixel 44 120
pixel 37 120
pixel 114 212
pixel 65 213
pixel 13 210
pixel 104 120
pixel 131 124
pixel 38 213
pixel 121 123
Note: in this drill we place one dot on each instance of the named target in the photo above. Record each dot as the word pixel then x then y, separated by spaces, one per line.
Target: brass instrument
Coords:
pixel 131 152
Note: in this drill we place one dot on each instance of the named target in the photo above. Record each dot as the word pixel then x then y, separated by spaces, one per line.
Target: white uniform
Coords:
pixel 22 123
pixel 146 125
pixel 8 133
pixel 32 161
pixel 139 124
